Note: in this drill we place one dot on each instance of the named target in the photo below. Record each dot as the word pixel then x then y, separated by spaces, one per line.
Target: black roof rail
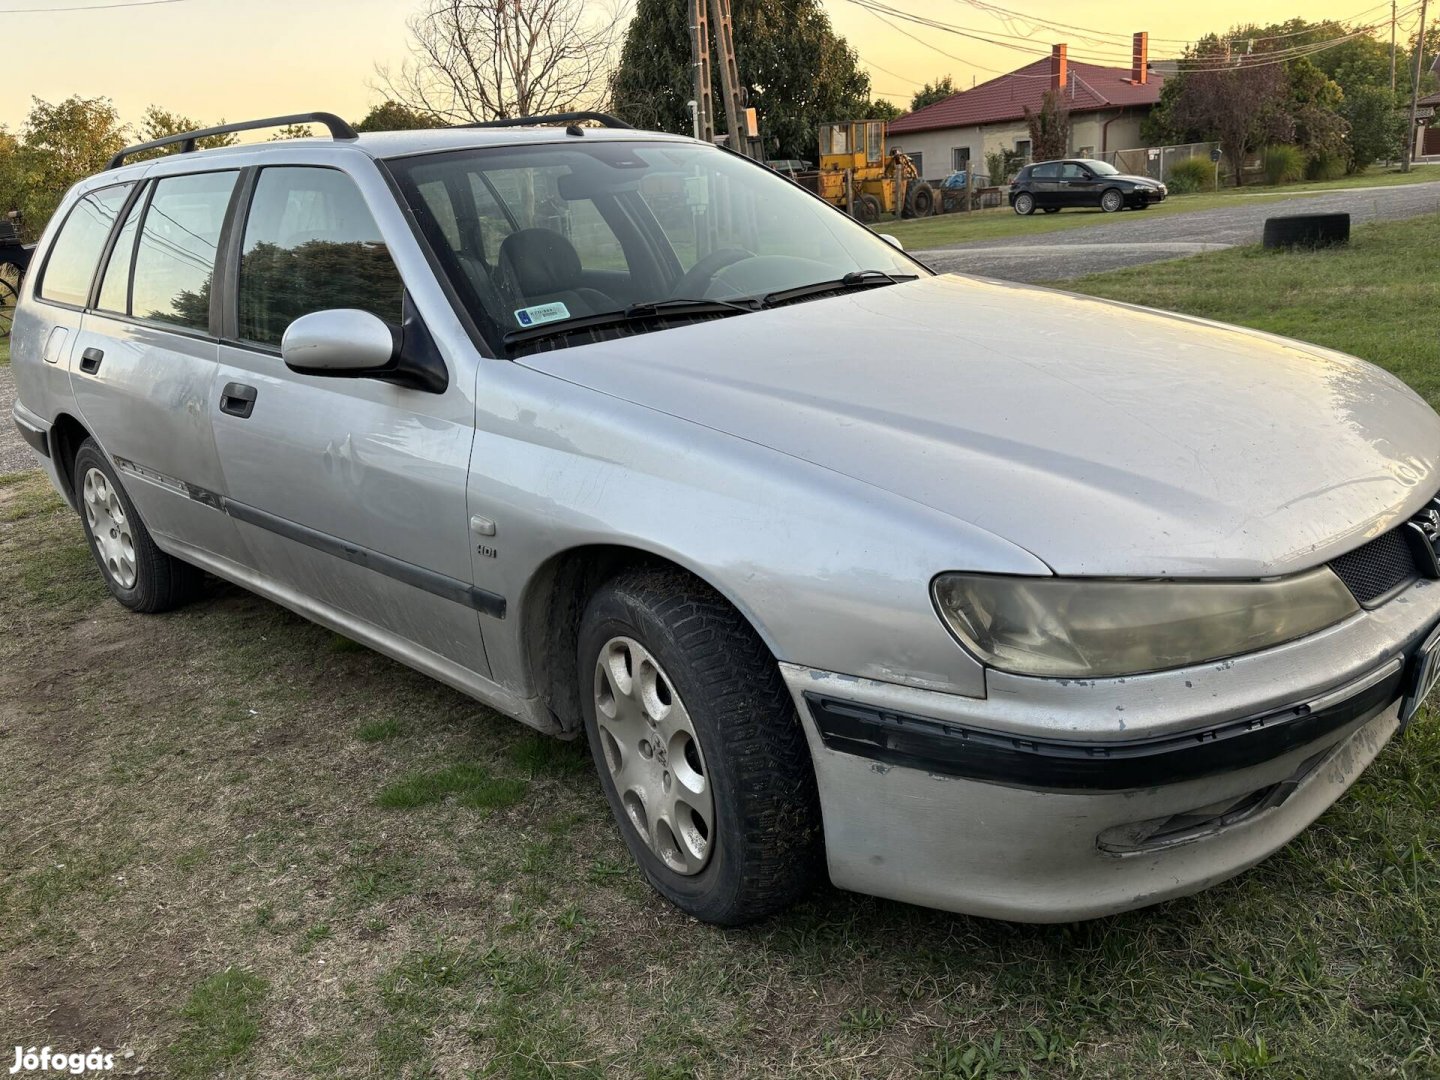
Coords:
pixel 338 128
pixel 603 119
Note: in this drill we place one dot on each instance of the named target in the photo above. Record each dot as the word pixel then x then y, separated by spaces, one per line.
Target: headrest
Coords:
pixel 540 261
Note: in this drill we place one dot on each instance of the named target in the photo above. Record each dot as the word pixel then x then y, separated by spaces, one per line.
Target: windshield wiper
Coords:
pixel 856 279
pixel 640 312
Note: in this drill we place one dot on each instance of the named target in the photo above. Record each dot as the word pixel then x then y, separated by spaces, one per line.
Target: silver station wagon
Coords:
pixel 976 595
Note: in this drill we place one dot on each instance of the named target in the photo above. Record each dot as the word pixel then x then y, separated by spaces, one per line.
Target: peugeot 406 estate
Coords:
pixel 971 594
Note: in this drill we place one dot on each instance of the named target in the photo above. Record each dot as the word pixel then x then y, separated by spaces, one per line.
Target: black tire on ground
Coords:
pixel 766 849
pixel 868 209
pixel 1024 204
pixel 920 200
pixel 162 582
pixel 1111 200
pixel 1307 230
pixel 1052 209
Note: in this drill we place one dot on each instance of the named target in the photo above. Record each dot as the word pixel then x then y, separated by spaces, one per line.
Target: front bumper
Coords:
pixel 1051 800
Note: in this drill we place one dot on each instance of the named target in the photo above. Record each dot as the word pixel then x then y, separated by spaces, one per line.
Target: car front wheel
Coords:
pixel 1112 201
pixel 698 747
pixel 137 573
pixel 1024 204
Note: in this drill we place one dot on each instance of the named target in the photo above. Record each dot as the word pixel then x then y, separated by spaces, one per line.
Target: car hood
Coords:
pixel 1143 181
pixel 1103 438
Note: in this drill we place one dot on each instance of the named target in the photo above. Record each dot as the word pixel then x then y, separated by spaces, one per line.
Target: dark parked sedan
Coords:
pixel 1053 185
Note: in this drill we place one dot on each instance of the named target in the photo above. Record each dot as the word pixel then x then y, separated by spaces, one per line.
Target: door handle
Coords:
pixel 237 399
pixel 90 360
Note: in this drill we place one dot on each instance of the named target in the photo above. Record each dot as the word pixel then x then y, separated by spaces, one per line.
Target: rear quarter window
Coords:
pixel 70 266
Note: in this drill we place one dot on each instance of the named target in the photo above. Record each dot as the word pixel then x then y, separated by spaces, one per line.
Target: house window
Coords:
pixel 1022 149
pixel 959 158
pixel 1085 152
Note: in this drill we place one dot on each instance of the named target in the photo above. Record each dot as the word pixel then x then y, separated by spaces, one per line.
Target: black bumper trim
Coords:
pixel 949 749
pixel 39 440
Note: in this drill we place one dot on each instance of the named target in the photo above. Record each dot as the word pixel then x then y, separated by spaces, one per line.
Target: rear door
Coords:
pixel 350 491
pixel 1045 184
pixel 145 357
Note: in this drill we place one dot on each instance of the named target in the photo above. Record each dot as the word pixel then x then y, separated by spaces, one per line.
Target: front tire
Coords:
pixel 1024 204
pixel 137 573
pixel 698 747
pixel 1112 201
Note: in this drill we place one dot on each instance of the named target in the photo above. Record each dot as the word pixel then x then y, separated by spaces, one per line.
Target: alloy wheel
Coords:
pixel 110 527
pixel 653 754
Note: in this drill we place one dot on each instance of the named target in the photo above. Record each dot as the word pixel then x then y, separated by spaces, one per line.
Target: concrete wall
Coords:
pixel 1087 132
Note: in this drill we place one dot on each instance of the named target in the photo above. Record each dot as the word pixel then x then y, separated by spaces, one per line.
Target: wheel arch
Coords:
pixel 554 599
pixel 66 435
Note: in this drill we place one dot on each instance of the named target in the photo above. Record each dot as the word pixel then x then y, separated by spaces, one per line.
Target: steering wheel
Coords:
pixel 698 277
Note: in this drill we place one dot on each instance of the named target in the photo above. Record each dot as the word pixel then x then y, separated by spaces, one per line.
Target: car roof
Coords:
pixel 394 144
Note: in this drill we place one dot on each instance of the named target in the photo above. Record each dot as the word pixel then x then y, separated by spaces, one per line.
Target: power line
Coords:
pixel 87 7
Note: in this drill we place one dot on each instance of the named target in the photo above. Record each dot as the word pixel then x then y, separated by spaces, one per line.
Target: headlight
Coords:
pixel 1077 627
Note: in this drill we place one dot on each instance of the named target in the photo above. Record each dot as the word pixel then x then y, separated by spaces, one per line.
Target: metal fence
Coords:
pixel 1157 161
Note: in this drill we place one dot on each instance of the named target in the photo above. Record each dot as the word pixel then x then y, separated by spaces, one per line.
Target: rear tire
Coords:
pixel 920 200
pixel 137 573
pixel 1024 204
pixel 869 209
pixel 698 746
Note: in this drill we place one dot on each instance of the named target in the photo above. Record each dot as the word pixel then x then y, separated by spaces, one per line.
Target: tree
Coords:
pixel 1242 106
pixel 393 116
pixel 59 145
pixel 1049 128
pixel 794 69
pixel 474 60
pixel 291 131
pixel 882 109
pixel 1377 125
pixel 930 93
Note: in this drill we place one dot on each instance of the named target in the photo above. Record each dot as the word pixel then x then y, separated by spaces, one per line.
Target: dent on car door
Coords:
pixel 144 358
pixel 349 491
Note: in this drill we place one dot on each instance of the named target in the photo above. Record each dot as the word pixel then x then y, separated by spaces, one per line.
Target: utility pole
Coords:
pixel 1415 92
pixel 700 71
pixel 730 77
pixel 1392 46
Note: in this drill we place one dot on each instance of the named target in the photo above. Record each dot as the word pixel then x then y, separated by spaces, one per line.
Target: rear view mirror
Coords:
pixel 340 341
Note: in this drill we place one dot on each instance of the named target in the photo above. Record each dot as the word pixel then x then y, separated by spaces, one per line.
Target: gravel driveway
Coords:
pixel 1139 238
pixel 15 456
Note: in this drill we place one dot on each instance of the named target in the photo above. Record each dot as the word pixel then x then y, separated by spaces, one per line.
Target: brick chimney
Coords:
pixel 1140 58
pixel 1059 68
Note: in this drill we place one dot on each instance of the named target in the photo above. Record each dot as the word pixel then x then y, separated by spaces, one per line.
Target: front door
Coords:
pixel 144 358
pixel 1078 186
pixel 350 491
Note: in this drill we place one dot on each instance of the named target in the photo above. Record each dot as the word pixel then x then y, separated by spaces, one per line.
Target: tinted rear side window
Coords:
pixel 175 258
pixel 71 265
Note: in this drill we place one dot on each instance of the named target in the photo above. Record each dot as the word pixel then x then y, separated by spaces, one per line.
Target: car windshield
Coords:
pixel 1101 168
pixel 544 235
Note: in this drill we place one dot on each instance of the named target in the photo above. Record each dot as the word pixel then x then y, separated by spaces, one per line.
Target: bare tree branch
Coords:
pixel 474 60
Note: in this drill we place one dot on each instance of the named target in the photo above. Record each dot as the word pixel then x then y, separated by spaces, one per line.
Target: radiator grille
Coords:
pixel 1377 569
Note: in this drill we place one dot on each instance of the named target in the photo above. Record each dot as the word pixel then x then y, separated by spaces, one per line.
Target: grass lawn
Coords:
pixel 1002 221
pixel 235 843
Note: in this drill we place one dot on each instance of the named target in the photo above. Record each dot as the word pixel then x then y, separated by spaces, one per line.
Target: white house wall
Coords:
pixel 1087 132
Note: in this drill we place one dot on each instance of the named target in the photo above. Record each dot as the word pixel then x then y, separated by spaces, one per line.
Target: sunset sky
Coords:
pixel 242 58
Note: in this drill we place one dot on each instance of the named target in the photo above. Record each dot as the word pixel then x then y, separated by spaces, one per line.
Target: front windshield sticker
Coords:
pixel 541 313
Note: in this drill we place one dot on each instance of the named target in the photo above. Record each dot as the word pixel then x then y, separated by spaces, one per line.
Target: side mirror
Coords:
pixel 342 341
pixel 891 240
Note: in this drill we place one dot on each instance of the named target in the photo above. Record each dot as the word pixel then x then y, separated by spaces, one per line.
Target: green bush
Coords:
pixel 1192 174
pixel 1283 164
pixel 1326 167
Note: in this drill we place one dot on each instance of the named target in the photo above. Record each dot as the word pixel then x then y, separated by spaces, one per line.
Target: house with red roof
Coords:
pixel 1106 106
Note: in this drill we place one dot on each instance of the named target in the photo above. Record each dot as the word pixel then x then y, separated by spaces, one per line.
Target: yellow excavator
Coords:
pixel 857 175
